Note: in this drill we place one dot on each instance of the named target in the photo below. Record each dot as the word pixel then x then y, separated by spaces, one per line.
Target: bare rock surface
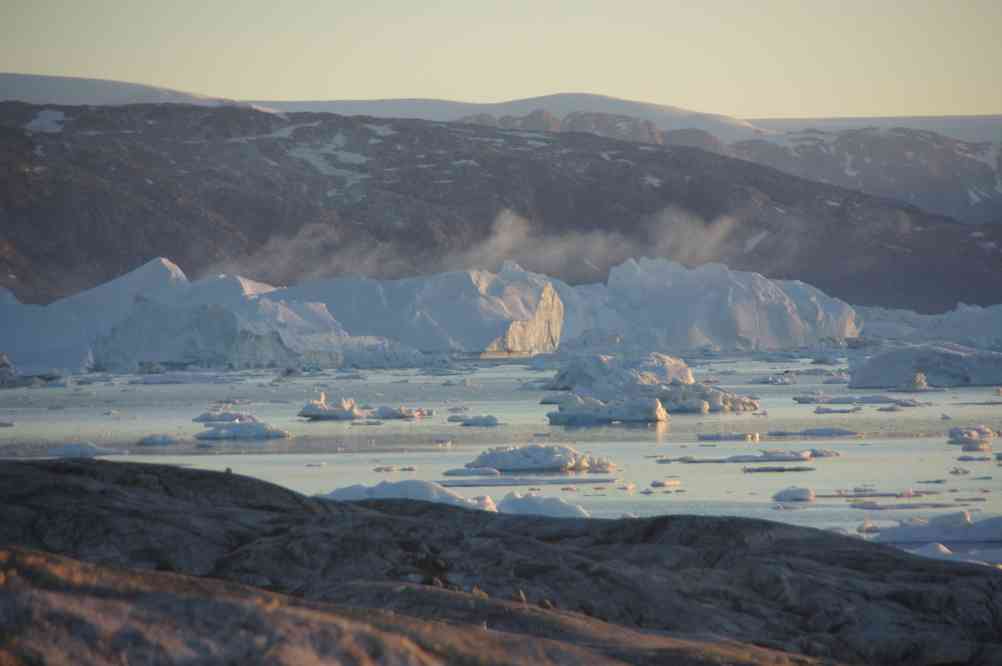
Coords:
pixel 627 590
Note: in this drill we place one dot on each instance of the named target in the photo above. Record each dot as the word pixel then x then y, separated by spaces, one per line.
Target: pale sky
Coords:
pixel 752 58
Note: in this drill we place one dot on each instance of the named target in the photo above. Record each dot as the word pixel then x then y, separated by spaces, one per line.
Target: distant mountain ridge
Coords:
pixel 87 193
pixel 75 91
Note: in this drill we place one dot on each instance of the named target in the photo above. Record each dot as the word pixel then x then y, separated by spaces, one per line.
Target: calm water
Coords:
pixel 895 452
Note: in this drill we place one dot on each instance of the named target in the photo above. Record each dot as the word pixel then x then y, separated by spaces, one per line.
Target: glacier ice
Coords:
pixel 944 365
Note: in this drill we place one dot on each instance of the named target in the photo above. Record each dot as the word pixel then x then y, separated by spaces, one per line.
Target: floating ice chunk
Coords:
pixel 767 455
pixel 824 399
pixel 80 450
pixel 401 413
pixel 171 378
pixel 472 471
pixel 785 379
pixel 834 410
pixel 224 417
pixel 481 421
pixel 540 458
pixel 973 434
pixel 538 505
pixel 943 365
pixel 604 374
pixel 795 494
pixel 242 430
pixel 814 432
pixel 412 489
pixel 157 440
pixel 729 437
pixel 583 411
pixel 950 528
pixel 343 410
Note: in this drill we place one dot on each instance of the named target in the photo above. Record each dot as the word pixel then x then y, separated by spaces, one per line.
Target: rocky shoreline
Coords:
pixel 106 562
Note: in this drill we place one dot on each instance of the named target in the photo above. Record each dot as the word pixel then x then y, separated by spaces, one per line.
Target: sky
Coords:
pixel 744 58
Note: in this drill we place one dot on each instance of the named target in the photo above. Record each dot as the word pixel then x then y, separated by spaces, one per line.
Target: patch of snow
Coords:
pixel 48 121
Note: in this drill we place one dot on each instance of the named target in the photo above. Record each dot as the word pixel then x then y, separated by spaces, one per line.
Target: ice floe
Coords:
pixel 540 458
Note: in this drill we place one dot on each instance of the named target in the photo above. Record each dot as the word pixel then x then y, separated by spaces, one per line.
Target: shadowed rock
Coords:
pixel 613 585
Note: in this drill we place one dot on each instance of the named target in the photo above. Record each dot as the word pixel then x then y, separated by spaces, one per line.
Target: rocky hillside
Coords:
pixel 88 193
pixel 954 177
pixel 411 582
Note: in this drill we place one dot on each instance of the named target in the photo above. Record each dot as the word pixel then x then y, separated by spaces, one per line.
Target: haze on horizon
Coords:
pixel 775 58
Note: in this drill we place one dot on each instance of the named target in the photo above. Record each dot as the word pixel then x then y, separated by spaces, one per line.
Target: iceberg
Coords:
pixel 540 458
pixel 412 489
pixel 343 410
pixel 538 505
pixel 956 527
pixel 968 325
pixel 664 378
pixel 80 450
pixel 512 311
pixel 577 410
pixel 972 435
pixel 661 304
pixel 944 365
pixel 795 494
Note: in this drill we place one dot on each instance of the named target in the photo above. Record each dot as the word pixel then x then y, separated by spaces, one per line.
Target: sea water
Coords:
pixel 894 453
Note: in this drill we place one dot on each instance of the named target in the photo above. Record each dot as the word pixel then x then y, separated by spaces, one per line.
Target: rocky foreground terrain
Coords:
pixel 89 193
pixel 116 562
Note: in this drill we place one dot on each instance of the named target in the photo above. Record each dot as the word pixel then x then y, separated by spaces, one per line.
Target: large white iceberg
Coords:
pixel 661 304
pixel 656 376
pixel 948 528
pixel 412 489
pixel 540 458
pixel 969 325
pixel 943 365
pixel 468 311
pixel 538 505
